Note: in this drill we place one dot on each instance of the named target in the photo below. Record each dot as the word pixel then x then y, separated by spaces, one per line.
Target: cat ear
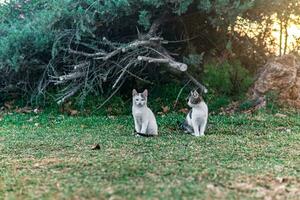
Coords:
pixel 134 92
pixel 196 94
pixel 145 93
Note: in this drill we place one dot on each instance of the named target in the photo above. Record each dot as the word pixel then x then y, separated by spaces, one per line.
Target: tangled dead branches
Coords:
pixel 108 64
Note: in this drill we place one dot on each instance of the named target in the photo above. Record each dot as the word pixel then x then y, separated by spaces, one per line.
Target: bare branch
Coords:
pixel 202 87
pixel 71 76
pixel 111 64
pixel 81 65
pixel 177 65
pixel 122 74
pixel 180 92
pixel 112 94
pixel 133 45
pixel 68 95
pixel 135 76
pixel 87 54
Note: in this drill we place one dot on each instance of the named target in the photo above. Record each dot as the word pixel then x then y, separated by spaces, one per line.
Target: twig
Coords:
pixel 202 87
pixel 112 94
pixel 180 92
pixel 122 74
pixel 184 40
pixel 81 65
pixel 87 54
pixel 134 75
pixel 71 76
pixel 71 93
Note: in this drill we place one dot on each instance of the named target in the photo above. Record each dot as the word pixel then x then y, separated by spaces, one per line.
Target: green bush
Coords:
pixel 34 34
pixel 229 78
pixel 216 102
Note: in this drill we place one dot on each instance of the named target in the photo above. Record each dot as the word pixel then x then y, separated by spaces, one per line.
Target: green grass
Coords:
pixel 49 156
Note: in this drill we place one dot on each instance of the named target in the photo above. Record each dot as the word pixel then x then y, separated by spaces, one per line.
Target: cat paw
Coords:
pixel 198 135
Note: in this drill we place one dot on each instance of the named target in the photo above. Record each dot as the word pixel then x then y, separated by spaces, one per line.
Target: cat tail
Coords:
pixel 180 125
pixel 185 127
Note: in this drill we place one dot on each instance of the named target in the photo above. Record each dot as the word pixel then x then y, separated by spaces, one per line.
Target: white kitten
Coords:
pixel 196 119
pixel 144 119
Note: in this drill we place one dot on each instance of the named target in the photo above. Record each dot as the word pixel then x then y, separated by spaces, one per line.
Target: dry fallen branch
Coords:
pixel 177 65
pixel 111 63
pixel 199 85
pixel 134 75
pixel 71 76
pixel 68 95
pixel 122 74
pixel 87 54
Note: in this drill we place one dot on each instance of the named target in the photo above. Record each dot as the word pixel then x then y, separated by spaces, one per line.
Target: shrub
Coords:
pixel 35 36
pixel 228 78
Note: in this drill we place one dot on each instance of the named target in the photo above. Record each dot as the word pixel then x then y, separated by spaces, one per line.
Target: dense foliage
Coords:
pixel 35 36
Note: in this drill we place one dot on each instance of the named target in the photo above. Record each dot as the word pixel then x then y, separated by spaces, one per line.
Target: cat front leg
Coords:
pixel 144 127
pixel 196 129
pixel 136 126
pixel 202 128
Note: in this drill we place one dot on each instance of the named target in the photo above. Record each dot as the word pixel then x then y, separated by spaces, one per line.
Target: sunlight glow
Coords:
pixel 293 35
pixel 255 31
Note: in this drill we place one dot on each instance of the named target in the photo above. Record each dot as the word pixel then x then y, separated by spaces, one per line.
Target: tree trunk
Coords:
pixel 286 36
pixel 280 38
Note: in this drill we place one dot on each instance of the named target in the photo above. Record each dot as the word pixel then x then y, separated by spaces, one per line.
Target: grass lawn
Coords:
pixel 49 156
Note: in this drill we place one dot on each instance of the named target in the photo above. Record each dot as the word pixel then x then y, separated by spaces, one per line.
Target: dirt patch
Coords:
pixel 46 162
pixel 268 187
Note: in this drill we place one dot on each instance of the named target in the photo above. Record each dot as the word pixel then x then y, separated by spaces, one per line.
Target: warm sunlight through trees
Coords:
pixel 279 38
pixel 289 38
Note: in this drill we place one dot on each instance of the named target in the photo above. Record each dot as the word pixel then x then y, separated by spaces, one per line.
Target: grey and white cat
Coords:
pixel 144 119
pixel 196 120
